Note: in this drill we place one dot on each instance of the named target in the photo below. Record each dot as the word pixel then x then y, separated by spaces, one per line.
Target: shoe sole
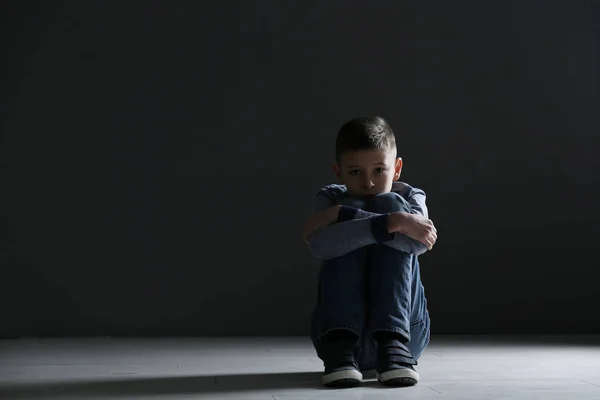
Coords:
pixel 345 378
pixel 399 377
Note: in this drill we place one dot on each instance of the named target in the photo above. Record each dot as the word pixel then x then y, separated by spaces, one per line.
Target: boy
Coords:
pixel 371 311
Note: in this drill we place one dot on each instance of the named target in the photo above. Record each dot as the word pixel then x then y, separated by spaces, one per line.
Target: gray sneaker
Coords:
pixel 341 369
pixel 395 364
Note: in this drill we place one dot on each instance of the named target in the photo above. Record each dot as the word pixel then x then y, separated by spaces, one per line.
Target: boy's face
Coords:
pixel 368 172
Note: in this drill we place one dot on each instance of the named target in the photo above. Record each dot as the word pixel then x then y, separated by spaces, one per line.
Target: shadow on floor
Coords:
pixel 518 340
pixel 152 386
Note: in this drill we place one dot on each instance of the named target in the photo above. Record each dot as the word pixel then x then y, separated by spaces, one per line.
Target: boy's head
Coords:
pixel 366 160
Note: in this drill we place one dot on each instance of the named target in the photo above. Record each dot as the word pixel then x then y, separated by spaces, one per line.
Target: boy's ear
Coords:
pixel 397 168
pixel 337 170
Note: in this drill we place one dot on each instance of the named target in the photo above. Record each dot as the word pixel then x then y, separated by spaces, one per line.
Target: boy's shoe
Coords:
pixel 395 364
pixel 341 369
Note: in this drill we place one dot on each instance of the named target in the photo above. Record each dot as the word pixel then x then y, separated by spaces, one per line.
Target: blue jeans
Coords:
pixel 374 288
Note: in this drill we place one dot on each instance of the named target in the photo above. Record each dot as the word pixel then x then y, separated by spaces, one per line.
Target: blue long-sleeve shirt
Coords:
pixel 359 228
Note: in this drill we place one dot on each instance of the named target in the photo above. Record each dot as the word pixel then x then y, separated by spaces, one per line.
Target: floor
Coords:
pixel 549 368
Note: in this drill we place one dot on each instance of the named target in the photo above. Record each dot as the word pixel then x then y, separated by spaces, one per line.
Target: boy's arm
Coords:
pixel 340 232
pixel 343 237
pixel 417 200
pixel 336 230
pixel 319 220
pixel 398 241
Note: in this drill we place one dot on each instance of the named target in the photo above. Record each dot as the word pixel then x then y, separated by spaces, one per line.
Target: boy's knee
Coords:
pixel 353 202
pixel 387 203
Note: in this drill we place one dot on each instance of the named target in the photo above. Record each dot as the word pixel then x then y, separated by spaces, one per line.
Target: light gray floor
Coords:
pixel 288 369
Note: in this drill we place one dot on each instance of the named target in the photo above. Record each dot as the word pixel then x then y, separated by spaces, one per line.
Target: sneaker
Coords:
pixel 341 369
pixel 395 364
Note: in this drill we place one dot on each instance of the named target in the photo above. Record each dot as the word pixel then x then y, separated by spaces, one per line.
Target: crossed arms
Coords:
pixel 334 230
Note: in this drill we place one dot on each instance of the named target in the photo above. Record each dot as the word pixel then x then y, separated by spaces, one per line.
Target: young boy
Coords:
pixel 371 311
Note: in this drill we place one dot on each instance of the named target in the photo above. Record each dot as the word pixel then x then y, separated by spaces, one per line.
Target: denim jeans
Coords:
pixel 373 288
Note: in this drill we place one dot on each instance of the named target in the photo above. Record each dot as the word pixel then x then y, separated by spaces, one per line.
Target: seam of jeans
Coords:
pixel 351 328
pixel 394 329
pixel 426 342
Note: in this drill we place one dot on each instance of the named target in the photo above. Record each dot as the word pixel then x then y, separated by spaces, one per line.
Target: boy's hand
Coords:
pixel 414 226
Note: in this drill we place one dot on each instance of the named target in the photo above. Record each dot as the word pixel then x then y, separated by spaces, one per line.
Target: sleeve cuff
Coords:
pixel 347 213
pixel 379 229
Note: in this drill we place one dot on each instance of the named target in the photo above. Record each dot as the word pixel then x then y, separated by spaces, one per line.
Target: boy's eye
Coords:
pixel 354 172
pixel 380 170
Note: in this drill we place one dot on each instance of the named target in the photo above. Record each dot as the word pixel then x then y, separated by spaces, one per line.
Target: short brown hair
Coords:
pixel 365 133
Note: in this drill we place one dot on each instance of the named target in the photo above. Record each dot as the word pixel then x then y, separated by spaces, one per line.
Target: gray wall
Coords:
pixel 159 158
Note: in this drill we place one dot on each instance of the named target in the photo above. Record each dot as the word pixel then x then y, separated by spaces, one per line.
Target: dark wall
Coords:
pixel 159 158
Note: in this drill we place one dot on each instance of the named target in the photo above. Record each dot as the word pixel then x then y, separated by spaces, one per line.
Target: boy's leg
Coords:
pixel 398 316
pixel 338 318
pixel 366 354
pixel 341 296
pixel 342 289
